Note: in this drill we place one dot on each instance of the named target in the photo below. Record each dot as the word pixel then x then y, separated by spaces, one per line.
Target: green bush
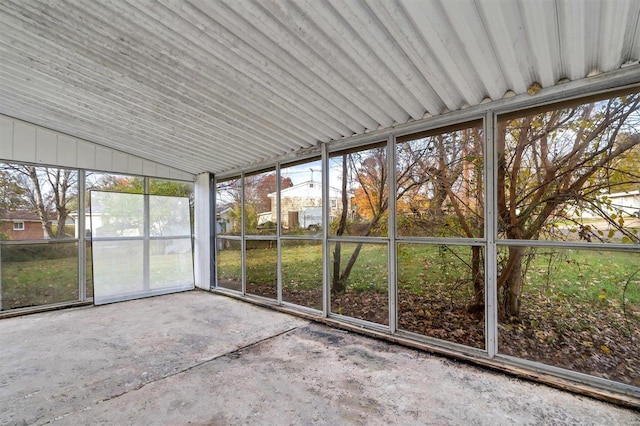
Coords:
pixel 45 251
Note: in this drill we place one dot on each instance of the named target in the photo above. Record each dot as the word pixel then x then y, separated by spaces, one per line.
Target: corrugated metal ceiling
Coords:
pixel 205 85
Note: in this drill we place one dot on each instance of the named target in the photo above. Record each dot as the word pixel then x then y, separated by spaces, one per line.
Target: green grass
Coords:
pixel 371 269
pixel 580 275
pixel 301 266
pixel 45 281
pixel 565 276
pixel 39 282
pixel 585 275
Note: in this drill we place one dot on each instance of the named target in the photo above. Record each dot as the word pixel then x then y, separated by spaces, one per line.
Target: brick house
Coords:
pixel 22 225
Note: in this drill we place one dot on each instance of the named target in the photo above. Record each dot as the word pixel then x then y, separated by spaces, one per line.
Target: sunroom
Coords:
pixel 461 177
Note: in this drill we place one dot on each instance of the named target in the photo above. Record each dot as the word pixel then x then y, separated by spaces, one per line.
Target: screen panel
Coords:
pixel 140 250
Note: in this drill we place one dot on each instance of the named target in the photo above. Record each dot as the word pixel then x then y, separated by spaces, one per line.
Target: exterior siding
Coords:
pixel 31 231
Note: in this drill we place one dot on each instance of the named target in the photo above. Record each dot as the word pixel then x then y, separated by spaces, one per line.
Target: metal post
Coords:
pixel 326 248
pixel 146 231
pixel 392 252
pixel 80 229
pixel 243 243
pixel 490 226
pixel 278 234
pixel 213 260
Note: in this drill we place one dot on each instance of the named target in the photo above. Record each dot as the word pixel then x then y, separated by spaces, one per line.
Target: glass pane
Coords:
pixel 114 183
pixel 302 272
pixel 262 264
pixel 170 264
pixel 116 214
pixel 39 274
pixel 117 270
pixel 260 214
pixel 171 187
pixel 358 193
pixel 359 281
pixel 301 198
pixel 174 188
pixel 440 187
pixel 441 292
pixel 38 203
pixel 169 216
pixel 107 182
pixel 574 309
pixel 571 174
pixel 228 207
pixel 229 266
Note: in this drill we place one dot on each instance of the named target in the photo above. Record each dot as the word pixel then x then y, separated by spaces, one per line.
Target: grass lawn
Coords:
pixel 565 274
pixel 39 282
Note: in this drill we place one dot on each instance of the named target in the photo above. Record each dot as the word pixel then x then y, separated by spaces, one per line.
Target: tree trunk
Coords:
pixel 510 283
pixel 477 305
pixel 62 220
pixel 41 209
pixel 337 284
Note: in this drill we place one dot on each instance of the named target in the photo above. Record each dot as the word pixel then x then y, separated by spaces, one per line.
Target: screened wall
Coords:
pixel 46 239
pixel 512 235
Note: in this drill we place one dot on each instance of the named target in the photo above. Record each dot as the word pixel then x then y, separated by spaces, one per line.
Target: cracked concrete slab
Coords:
pixel 199 358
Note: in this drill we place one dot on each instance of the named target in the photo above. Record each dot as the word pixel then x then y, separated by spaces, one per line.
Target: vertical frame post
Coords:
pixel 80 229
pixel 243 243
pixel 278 234
pixel 212 257
pixel 203 232
pixel 490 226
pixel 392 252
pixel 326 248
pixel 146 237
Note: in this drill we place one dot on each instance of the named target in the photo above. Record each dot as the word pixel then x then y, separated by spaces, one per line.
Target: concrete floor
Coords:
pixel 200 358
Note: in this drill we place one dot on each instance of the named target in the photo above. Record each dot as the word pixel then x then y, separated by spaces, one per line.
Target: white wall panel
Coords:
pixel 103 158
pixel 202 232
pixel 24 142
pixel 135 165
pixel 119 162
pixel 67 151
pixel 6 137
pixel 86 155
pixel 163 171
pixel 46 146
pixel 149 168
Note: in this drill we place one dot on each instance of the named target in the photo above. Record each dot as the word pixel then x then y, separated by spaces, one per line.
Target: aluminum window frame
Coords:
pixel 488 113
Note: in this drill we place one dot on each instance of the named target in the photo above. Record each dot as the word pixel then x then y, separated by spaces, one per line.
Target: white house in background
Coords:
pixel 626 202
pixel 224 223
pixel 301 205
pixel 96 217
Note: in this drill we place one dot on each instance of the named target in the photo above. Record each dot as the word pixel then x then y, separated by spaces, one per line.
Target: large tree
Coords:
pixel 551 166
pixel 50 193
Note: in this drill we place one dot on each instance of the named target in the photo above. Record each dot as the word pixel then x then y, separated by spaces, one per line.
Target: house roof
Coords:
pixel 214 86
pixel 19 215
pixel 310 188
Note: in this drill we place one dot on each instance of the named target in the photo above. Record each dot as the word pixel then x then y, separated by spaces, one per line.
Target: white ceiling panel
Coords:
pixel 215 85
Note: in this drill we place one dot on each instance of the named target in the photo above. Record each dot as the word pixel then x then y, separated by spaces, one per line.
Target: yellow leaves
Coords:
pixel 605 349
